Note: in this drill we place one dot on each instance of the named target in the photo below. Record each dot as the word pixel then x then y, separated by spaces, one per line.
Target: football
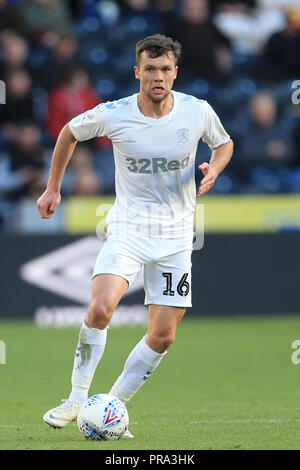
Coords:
pixel 103 417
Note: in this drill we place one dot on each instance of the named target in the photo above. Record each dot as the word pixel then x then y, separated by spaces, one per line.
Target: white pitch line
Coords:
pixel 242 421
pixel 201 421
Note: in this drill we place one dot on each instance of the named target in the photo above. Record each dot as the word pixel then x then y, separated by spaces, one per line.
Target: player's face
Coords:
pixel 156 75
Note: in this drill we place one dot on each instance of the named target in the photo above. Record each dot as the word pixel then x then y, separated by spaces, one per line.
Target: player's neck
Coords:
pixel 152 109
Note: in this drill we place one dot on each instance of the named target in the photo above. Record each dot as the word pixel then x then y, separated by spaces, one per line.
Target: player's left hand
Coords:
pixel 209 179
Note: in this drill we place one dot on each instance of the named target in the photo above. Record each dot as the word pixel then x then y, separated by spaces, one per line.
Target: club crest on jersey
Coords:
pixel 183 136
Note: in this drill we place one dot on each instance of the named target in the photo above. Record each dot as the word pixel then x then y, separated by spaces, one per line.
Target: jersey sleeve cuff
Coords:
pixel 221 142
pixel 73 131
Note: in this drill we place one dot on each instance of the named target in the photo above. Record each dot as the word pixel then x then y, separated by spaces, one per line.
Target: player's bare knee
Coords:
pixel 99 314
pixel 161 343
pixel 167 341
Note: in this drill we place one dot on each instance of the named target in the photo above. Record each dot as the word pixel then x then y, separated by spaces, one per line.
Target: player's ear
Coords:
pixel 176 70
pixel 136 72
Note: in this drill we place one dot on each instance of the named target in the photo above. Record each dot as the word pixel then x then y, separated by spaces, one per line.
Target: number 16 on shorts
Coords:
pixel 169 288
pixel 183 287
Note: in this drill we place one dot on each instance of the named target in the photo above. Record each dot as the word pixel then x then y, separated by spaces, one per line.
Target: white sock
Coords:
pixel 90 348
pixel 141 362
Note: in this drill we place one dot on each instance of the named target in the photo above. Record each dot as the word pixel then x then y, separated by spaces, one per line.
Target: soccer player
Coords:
pixel 155 134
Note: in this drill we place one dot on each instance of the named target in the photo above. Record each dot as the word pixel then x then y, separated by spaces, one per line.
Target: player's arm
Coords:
pixel 62 153
pixel 220 158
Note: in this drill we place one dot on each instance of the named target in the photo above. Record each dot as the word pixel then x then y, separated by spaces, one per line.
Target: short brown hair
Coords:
pixel 157 45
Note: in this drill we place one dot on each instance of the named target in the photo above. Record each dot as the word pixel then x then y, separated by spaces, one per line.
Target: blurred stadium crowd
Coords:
pixel 59 58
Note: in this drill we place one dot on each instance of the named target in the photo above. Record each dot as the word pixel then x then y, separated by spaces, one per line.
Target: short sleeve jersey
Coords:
pixel 154 161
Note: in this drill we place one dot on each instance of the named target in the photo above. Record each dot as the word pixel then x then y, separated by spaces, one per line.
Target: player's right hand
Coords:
pixel 48 203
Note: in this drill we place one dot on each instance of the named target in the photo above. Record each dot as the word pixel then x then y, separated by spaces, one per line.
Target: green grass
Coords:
pixel 226 383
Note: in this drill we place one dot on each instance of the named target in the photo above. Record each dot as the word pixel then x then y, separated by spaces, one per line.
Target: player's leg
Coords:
pixel 147 354
pixel 107 290
pixel 163 321
pixel 168 293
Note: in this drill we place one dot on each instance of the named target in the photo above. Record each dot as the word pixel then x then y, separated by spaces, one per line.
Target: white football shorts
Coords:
pixel 167 267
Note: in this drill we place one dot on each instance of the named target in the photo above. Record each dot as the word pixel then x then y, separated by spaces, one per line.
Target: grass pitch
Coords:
pixel 226 383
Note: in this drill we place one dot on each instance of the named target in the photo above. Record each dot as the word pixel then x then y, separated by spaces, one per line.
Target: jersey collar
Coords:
pixel 154 120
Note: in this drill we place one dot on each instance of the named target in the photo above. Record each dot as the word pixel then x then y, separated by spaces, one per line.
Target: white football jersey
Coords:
pixel 154 161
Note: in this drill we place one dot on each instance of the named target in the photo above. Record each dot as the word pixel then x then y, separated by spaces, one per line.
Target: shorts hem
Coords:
pixel 167 304
pixel 112 274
